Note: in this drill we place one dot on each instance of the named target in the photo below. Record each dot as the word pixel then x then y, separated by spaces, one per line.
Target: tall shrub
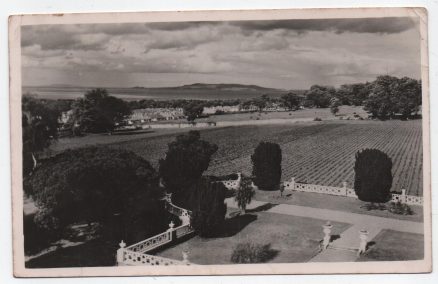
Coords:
pixel 266 162
pixel 186 159
pixel 208 207
pixel 373 177
pixel 244 193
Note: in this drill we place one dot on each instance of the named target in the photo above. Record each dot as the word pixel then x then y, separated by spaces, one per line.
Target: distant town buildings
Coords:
pixel 221 109
pixel 155 114
pixel 65 117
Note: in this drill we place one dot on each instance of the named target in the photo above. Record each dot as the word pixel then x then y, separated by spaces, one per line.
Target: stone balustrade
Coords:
pixel 408 199
pixel 349 192
pixel 136 254
pixel 233 184
pixel 151 243
pixel 132 258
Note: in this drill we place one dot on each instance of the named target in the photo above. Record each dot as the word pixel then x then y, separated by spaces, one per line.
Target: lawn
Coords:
pixel 292 239
pixel 391 245
pixel 340 203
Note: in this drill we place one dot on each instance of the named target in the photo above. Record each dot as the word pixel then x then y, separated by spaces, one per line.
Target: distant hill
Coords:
pixel 198 91
pixel 229 87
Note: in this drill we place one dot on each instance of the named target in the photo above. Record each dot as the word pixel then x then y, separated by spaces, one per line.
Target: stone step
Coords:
pixel 332 255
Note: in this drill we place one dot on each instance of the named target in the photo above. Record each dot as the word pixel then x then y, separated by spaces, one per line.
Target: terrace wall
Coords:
pixel 233 184
pixel 349 192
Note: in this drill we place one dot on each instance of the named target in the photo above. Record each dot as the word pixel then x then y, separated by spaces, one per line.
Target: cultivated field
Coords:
pixel 313 152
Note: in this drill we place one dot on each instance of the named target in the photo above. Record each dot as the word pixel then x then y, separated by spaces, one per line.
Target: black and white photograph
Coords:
pixel 222 143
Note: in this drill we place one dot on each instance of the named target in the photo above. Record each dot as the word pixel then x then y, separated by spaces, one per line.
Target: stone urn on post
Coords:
pixel 120 253
pixel 363 236
pixel 185 254
pixel 327 229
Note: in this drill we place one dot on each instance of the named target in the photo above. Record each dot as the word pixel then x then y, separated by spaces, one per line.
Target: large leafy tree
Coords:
pixel 319 96
pixel 40 126
pixel 408 96
pixel 354 94
pixel 96 184
pixel 193 110
pixel 391 95
pixel 98 111
pixel 291 101
pixel 373 177
pixel 208 207
pixel 186 159
pixel 380 102
pixel 266 162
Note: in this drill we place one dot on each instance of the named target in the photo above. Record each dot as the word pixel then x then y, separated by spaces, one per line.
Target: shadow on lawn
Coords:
pixel 370 245
pixel 234 225
pixel 262 208
pixel 334 237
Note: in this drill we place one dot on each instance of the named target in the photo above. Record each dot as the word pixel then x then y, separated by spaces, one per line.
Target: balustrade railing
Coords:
pixel 151 243
pixel 129 257
pixel 349 192
pixel 183 230
pixel 136 254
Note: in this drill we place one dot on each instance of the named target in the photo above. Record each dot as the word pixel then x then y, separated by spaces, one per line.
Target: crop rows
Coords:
pixel 318 153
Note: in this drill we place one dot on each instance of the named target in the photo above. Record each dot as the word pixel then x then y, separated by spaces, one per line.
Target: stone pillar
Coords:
pixel 120 253
pixel 292 183
pixel 185 254
pixel 185 218
pixel 327 229
pixel 403 196
pixel 171 229
pixel 171 225
pixel 344 187
pixel 363 236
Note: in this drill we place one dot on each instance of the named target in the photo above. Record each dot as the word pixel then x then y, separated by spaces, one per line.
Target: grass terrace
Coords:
pixel 391 245
pixel 292 239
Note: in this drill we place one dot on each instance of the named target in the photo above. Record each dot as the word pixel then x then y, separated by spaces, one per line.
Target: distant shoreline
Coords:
pixel 195 92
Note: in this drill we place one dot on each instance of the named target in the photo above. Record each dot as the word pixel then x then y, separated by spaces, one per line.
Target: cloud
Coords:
pixel 387 25
pixel 283 54
pixel 59 37
pixel 177 26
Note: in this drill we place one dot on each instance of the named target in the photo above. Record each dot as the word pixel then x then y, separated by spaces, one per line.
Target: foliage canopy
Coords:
pixel 266 162
pixel 373 177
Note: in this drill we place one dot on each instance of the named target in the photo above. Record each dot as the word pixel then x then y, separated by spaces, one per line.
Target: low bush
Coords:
pixel 400 208
pixel 249 252
pixel 317 119
pixel 374 206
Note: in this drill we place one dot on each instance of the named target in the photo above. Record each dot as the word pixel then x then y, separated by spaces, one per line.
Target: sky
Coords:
pixel 284 54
